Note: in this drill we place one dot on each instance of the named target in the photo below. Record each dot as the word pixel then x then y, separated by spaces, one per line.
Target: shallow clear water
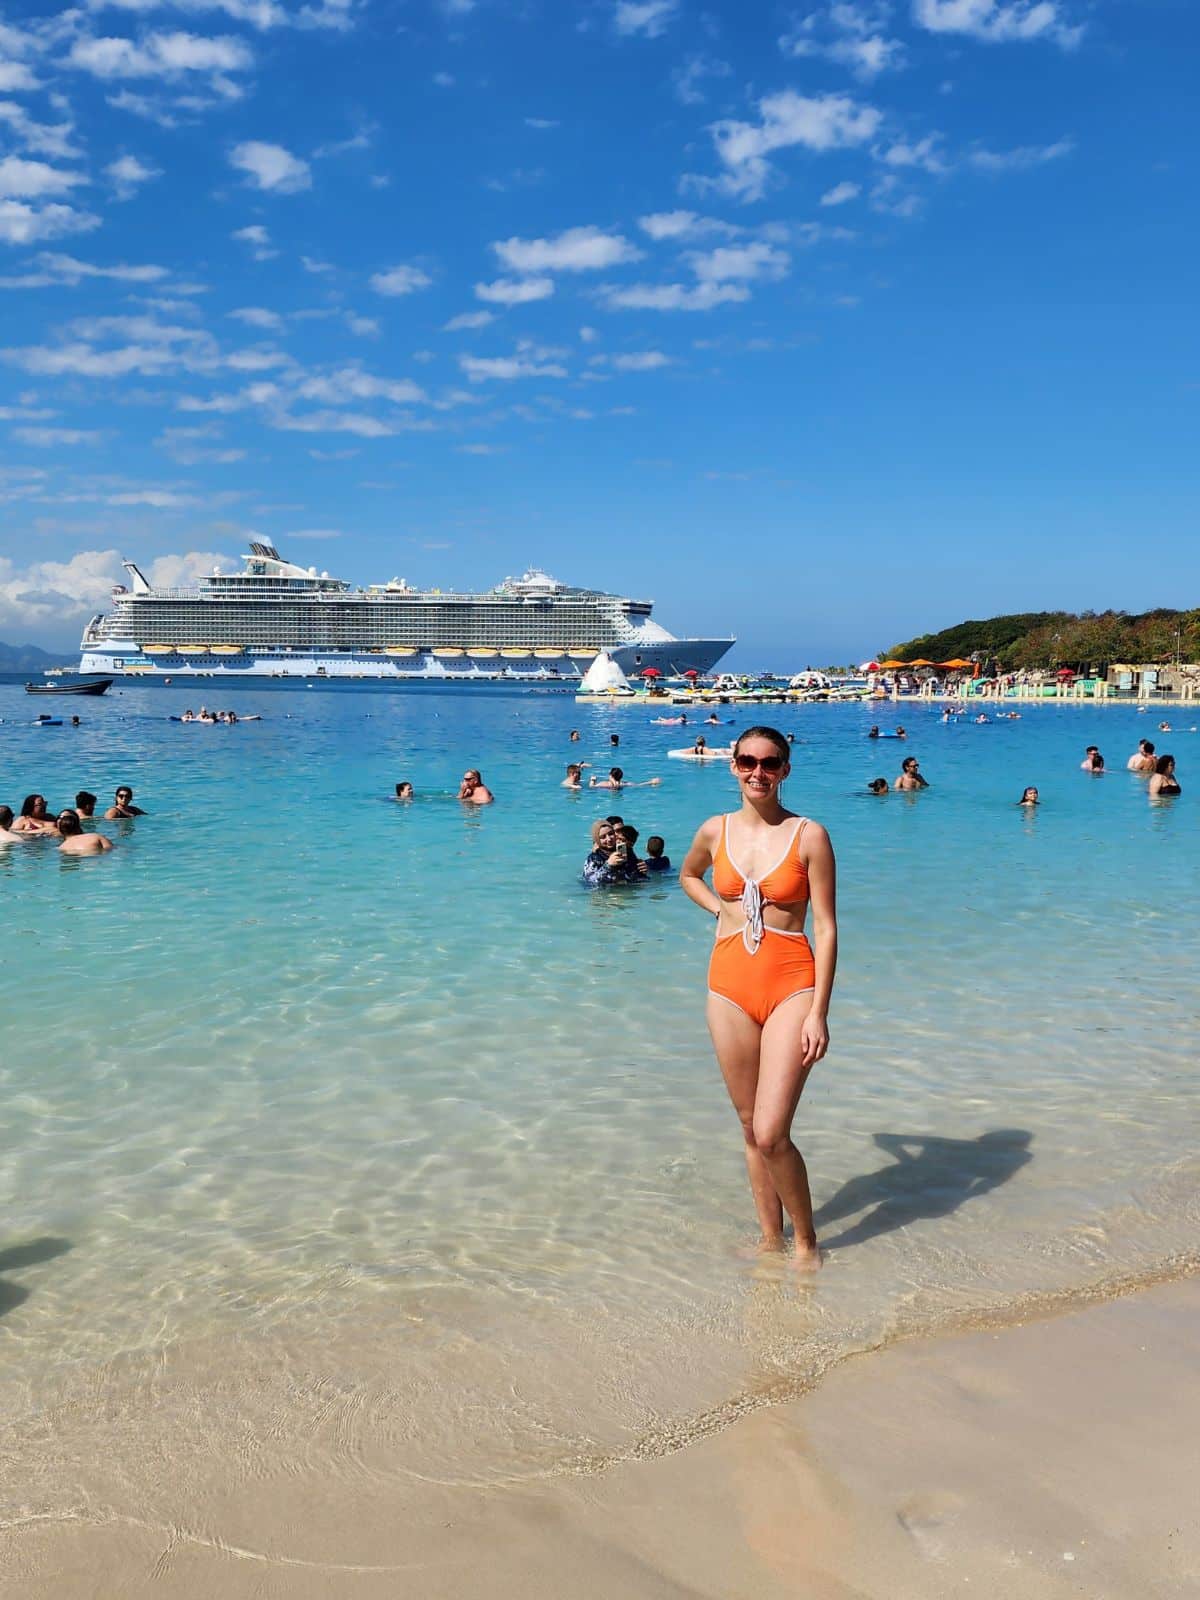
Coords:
pixel 333 1091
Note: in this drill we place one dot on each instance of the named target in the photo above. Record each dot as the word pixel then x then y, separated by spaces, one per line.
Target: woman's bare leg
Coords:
pixel 781 1079
pixel 736 1038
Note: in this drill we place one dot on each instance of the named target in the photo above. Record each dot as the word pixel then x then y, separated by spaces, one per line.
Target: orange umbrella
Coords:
pixel 957 664
pixel 892 666
pixel 920 662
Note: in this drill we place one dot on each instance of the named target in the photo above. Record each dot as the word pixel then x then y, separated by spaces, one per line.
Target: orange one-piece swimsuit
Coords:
pixel 757 968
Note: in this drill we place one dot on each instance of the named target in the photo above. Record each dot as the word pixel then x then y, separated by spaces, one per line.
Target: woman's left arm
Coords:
pixel 822 895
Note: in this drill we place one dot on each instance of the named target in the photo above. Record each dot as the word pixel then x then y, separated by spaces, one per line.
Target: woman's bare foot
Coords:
pixel 808 1255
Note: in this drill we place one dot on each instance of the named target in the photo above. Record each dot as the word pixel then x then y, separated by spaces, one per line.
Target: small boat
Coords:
pixel 71 686
pixel 448 651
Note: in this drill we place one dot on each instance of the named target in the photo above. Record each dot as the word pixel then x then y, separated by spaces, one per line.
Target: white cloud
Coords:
pixel 1027 155
pixel 890 197
pixel 259 240
pixel 686 80
pixel 158 499
pixel 529 361
pixel 59 269
pixel 16 78
pixel 588 335
pixel 575 250
pixel 270 166
pixel 672 296
pixel 25 224
pixel 353 422
pixel 363 327
pixel 683 225
pixel 925 154
pixel 46 138
pixel 840 193
pixel 400 280
pixel 57 591
pixel 51 438
pixel 31 180
pixel 258 317
pixel 816 122
pixel 744 263
pixel 351 383
pixel 998 21
pixel 644 18
pixel 194 447
pixel 159 55
pixel 127 174
pixel 468 319
pixel 850 32
pixel 639 361
pixel 515 291
pixel 541 123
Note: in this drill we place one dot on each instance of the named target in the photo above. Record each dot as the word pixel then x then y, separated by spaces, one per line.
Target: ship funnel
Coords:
pixel 140 586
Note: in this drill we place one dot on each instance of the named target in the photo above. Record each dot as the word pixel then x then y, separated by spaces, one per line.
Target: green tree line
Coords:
pixel 1063 639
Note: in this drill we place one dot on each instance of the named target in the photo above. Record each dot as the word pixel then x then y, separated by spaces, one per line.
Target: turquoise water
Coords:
pixel 328 1093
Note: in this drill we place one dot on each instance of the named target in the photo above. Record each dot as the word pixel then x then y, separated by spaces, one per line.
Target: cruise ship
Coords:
pixel 274 619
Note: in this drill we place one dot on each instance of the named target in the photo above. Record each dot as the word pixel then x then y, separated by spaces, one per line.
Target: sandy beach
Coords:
pixel 1053 1458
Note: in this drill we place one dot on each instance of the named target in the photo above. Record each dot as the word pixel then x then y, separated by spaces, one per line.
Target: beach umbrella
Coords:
pixel 894 666
pixel 651 672
pixel 957 664
pixel 920 662
pixel 692 672
pixel 868 666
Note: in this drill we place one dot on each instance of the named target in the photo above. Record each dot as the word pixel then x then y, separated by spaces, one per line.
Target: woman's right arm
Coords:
pixel 696 863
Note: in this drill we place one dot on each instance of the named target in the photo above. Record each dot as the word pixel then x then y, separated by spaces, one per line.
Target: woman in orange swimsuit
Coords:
pixel 768 990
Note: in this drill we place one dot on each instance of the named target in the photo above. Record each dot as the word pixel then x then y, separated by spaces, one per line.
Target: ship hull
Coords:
pixel 124 660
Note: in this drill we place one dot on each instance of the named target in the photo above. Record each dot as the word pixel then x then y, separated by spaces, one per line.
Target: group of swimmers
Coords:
pixel 36 821
pixel 472 790
pixel 613 857
pixel 229 718
pixel 1144 761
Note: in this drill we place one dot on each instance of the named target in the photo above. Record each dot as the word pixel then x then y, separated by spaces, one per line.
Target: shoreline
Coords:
pixel 880 1481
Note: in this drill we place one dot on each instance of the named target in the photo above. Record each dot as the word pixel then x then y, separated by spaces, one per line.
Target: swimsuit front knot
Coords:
pixel 752 909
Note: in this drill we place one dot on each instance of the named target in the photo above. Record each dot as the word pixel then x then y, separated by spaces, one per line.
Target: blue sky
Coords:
pixel 818 324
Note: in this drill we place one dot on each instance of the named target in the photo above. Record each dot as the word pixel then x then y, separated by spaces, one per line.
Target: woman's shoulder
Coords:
pixel 813 834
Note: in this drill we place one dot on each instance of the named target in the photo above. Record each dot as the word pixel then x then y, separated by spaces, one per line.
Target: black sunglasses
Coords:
pixel 747 764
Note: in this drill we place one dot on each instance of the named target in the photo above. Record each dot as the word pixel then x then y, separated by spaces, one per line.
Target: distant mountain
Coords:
pixel 29 658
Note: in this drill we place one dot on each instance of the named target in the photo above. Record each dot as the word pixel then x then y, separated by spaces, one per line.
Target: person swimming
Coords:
pixel 768 991
pixel 879 786
pixel 1093 761
pixel 910 775
pixel 1164 780
pixel 473 789
pixel 404 790
pixel 609 860
pixel 1029 797
pixel 77 843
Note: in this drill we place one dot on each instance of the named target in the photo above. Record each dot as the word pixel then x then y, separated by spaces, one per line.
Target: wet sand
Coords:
pixel 1054 1458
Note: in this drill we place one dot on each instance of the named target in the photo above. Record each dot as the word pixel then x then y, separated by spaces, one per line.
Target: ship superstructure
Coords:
pixel 277 619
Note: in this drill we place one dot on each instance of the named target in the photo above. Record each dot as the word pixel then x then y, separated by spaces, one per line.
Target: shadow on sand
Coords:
pixel 25 1255
pixel 928 1177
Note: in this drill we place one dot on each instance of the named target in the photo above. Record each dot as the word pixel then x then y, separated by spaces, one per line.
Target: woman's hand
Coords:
pixel 814 1038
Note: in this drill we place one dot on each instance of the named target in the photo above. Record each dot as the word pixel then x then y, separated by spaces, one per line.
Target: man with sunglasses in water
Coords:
pixel 768 990
pixel 123 805
pixel 474 791
pixel 910 775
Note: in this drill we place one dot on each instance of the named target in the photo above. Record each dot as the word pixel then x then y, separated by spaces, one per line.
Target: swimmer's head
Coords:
pixel 6 817
pixel 68 824
pixel 655 845
pixel 878 786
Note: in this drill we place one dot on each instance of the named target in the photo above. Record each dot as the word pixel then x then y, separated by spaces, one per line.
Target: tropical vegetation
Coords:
pixel 1089 640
